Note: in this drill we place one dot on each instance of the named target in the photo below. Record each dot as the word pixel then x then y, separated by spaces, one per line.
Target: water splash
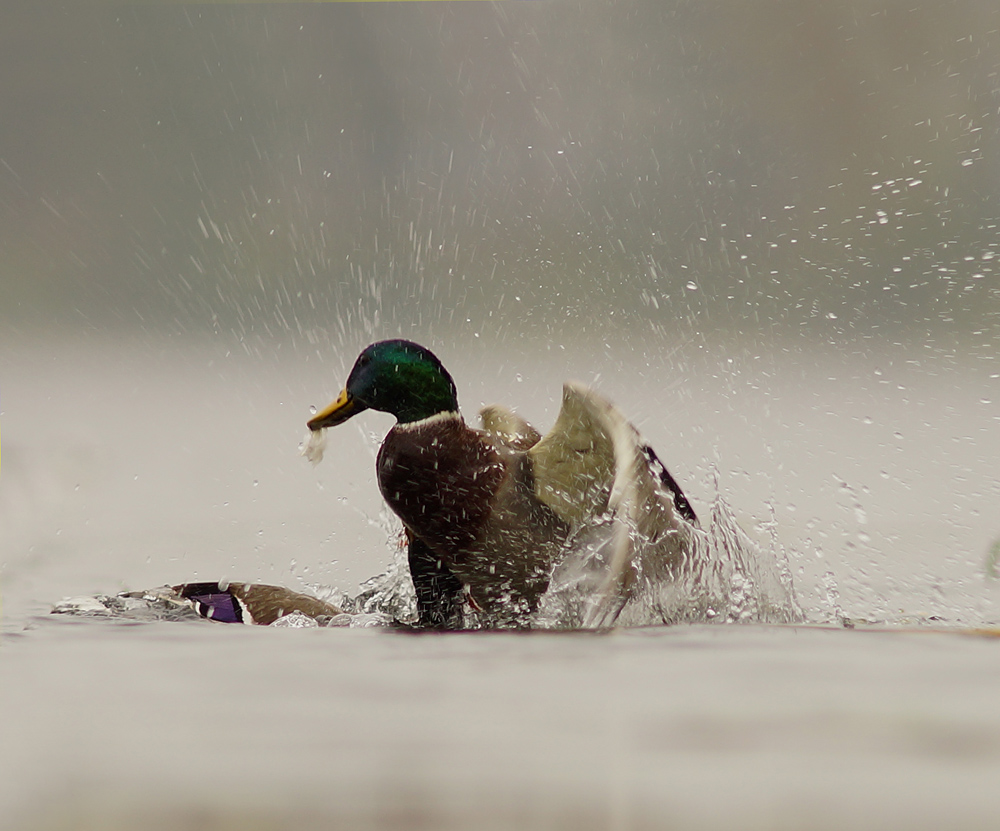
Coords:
pixel 725 577
pixel 390 593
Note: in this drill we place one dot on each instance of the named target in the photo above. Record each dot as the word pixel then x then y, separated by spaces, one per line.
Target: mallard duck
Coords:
pixel 491 512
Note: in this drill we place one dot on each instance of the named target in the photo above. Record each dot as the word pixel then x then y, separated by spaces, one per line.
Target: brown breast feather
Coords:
pixel 473 503
pixel 440 478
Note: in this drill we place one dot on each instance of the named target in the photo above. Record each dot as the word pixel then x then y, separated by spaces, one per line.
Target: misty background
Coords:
pixel 819 170
pixel 767 230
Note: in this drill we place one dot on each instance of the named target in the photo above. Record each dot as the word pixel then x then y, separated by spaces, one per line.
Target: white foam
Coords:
pixel 313 446
pixel 296 620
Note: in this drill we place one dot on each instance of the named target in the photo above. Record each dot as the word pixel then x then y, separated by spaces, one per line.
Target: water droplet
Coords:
pixel 966 162
pixel 312 409
pixel 691 286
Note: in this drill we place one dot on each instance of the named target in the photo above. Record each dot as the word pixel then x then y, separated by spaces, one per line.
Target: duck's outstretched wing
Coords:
pixel 508 428
pixel 574 464
pixel 251 602
pixel 593 470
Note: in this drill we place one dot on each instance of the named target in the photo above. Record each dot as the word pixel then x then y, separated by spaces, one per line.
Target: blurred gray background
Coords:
pixel 767 230
pixel 821 170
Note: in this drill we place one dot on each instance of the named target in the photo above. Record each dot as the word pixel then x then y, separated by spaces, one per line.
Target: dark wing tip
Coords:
pixel 680 500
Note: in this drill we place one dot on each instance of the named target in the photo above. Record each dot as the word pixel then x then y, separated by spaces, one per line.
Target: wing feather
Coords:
pixel 593 467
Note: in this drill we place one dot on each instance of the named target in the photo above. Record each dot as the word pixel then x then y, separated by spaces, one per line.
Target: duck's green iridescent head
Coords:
pixel 394 376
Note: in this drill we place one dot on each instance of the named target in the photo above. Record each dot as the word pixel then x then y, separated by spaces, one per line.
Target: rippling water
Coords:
pixel 195 726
